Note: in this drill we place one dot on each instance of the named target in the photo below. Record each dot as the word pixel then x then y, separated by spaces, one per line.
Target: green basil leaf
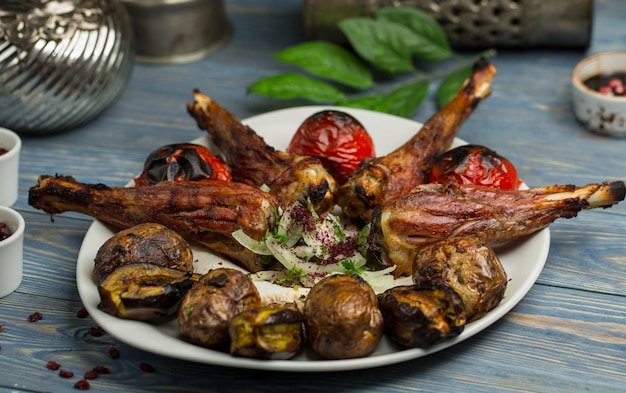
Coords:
pixel 294 85
pixel 404 100
pixel 451 85
pixel 381 43
pixel 329 61
pixel 431 42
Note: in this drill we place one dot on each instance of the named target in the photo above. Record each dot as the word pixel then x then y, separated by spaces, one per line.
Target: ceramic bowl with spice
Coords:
pixel 11 250
pixel 598 93
pixel 10 146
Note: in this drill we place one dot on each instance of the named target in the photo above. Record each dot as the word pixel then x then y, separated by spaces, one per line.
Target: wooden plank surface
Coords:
pixel 567 335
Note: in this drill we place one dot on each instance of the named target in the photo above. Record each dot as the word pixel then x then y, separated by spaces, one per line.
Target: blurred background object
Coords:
pixel 598 93
pixel 472 23
pixel 61 62
pixel 178 31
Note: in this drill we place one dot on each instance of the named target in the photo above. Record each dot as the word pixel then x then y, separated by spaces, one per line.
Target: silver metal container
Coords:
pixel 177 31
pixel 62 62
pixel 472 23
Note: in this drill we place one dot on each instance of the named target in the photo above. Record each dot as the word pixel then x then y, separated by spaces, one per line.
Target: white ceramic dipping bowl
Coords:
pixel 11 251
pixel 9 164
pixel 600 113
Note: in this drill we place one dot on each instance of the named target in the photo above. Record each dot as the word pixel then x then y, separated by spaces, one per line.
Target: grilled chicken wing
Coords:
pixel 290 177
pixel 435 212
pixel 384 178
pixel 205 212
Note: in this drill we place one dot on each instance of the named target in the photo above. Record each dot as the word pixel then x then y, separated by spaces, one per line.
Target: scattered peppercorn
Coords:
pixel 114 353
pixel 82 385
pixel 90 375
pixel 66 374
pixel 34 317
pixel 1 328
pixel 146 367
pixel 52 365
pixel 82 313
pixel 96 331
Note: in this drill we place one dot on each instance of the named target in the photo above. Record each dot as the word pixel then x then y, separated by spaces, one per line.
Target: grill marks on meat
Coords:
pixel 434 212
pixel 387 177
pixel 290 177
pixel 206 212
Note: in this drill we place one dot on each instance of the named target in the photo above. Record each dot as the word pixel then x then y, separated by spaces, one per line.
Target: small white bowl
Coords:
pixel 11 251
pixel 600 113
pixel 9 166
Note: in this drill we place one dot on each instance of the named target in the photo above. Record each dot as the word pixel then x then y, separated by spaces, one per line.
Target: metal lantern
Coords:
pixel 62 62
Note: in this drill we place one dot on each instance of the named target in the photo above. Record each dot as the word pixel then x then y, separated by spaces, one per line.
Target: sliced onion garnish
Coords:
pixel 256 246
pixel 304 250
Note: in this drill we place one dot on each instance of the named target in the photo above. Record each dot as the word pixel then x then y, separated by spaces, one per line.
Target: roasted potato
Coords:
pixel 341 317
pixel 273 331
pixel 420 317
pixel 143 291
pixel 212 302
pixel 467 265
pixel 143 243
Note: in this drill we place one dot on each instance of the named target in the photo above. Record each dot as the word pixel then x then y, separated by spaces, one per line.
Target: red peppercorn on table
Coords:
pixel 568 334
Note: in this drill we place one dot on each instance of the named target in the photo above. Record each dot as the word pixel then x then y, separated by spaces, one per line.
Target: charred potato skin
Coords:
pixel 212 302
pixel 419 317
pixel 467 265
pixel 149 242
pixel 271 332
pixel 341 317
pixel 143 291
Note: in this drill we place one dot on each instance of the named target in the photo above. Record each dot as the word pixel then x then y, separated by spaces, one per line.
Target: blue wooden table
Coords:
pixel 568 334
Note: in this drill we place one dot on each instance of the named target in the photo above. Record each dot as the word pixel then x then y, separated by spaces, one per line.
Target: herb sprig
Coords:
pixel 390 42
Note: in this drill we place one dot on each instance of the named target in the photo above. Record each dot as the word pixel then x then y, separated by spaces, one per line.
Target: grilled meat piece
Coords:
pixel 206 212
pixel 435 212
pixel 384 178
pixel 289 176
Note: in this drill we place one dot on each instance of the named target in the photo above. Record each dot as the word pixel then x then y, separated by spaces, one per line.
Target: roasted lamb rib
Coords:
pixel 387 177
pixel 436 212
pixel 206 212
pixel 289 176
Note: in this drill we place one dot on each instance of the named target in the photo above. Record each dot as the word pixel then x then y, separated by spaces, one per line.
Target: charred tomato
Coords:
pixel 182 162
pixel 475 164
pixel 338 139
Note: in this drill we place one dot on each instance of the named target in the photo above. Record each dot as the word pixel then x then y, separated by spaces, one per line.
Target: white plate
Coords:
pixel 523 261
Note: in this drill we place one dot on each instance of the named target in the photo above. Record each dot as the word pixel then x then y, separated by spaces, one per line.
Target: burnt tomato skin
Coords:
pixel 475 164
pixel 338 139
pixel 182 162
